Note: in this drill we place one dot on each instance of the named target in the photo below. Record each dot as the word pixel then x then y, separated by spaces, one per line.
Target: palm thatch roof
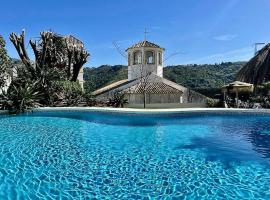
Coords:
pixel 238 86
pixel 257 70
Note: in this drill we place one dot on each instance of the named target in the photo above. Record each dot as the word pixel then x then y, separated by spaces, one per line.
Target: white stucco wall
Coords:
pixel 80 78
pixel 138 70
pixel 8 81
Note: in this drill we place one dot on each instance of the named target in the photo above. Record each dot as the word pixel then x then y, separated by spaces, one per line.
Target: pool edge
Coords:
pixel 155 111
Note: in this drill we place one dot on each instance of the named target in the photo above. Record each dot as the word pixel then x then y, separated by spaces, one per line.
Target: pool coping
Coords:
pixel 151 111
pixel 3 112
pixel 155 111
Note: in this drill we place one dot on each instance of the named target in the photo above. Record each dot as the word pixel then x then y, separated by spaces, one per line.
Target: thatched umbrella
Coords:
pixel 257 70
pixel 236 87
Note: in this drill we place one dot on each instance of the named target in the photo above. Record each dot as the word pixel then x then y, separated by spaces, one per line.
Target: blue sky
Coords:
pixel 205 31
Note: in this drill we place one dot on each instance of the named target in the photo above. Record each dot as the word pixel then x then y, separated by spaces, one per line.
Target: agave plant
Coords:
pixel 21 98
pixel 118 100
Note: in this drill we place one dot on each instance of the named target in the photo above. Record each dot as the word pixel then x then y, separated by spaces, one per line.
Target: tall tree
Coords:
pixel 56 58
pixel 4 63
pixel 64 53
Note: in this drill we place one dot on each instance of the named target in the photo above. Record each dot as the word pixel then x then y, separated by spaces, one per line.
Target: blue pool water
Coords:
pixel 90 155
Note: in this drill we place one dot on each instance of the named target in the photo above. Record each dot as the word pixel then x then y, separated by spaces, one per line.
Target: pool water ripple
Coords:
pixel 214 157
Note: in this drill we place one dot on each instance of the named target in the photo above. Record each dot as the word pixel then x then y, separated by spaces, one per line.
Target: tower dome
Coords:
pixel 145 58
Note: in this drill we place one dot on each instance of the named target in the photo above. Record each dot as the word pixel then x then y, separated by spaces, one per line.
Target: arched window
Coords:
pixel 137 57
pixel 160 58
pixel 149 57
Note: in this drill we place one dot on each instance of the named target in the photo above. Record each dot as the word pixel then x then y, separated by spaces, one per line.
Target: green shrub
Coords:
pixel 118 100
pixel 89 99
pixel 213 103
pixel 21 98
pixel 70 92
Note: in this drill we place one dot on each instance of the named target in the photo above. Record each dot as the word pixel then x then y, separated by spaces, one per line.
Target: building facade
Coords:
pixel 145 80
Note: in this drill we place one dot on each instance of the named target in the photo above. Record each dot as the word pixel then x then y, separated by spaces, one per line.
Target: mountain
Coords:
pixel 207 78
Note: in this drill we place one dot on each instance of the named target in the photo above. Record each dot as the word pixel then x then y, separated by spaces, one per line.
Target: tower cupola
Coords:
pixel 145 58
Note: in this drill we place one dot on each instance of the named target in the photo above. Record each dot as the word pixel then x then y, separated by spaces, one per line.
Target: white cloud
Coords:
pixel 241 54
pixel 226 37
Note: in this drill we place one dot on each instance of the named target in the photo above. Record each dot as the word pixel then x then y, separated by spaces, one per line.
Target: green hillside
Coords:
pixel 101 76
pixel 198 77
pixel 206 79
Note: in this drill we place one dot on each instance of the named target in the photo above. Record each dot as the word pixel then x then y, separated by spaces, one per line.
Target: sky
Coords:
pixel 200 31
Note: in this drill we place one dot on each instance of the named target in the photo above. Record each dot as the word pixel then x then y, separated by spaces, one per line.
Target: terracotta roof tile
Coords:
pixel 152 88
pixel 145 44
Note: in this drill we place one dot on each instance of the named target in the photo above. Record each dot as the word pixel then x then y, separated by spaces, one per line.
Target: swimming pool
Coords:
pixel 99 155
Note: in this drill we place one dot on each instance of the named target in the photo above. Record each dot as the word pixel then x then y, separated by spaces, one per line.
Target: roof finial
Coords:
pixel 145 33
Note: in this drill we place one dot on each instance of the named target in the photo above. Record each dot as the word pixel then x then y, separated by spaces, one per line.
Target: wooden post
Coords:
pixel 224 99
pixel 144 99
pixel 236 94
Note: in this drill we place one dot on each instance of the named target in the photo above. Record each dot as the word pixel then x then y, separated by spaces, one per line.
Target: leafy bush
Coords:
pixel 263 101
pixel 21 98
pixel 213 103
pixel 89 99
pixel 70 92
pixel 266 85
pixel 118 100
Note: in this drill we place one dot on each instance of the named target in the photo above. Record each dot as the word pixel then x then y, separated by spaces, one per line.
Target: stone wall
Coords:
pixel 188 97
pixel 154 98
pixel 168 105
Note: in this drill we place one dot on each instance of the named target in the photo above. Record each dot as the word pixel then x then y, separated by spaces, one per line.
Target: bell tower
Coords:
pixel 145 58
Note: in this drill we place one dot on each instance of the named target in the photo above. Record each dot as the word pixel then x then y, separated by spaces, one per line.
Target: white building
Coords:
pixel 145 79
pixel 8 82
pixel 145 58
pixel 80 78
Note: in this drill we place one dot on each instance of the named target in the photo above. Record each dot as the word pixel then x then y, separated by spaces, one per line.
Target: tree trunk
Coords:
pixel 144 99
